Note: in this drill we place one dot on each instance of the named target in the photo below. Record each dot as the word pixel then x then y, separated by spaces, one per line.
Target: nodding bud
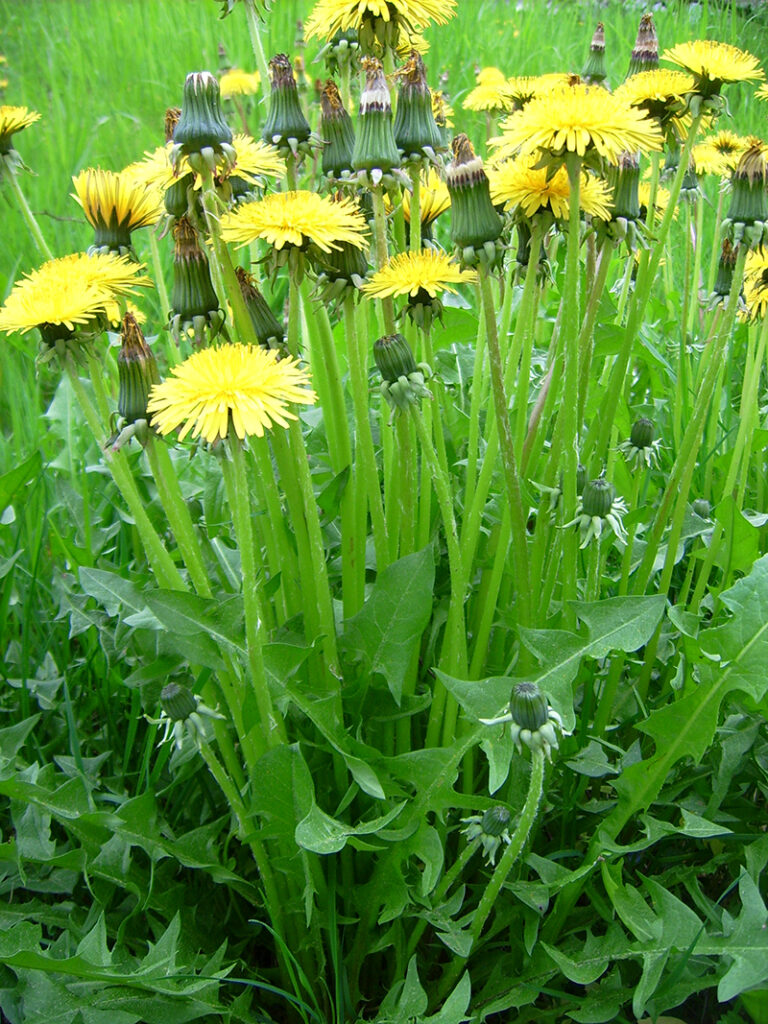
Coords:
pixel 286 125
pixel 137 372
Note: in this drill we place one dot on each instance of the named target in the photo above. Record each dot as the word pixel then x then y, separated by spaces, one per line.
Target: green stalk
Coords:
pixel 407 489
pixel 508 860
pixel 381 253
pixel 34 228
pixel 171 352
pixel 172 500
pixel 511 479
pixel 526 316
pixel 161 563
pixel 586 335
pixel 281 552
pixel 254 31
pixel 415 208
pixel 716 240
pixel 236 483
pixel 357 354
pixel 442 890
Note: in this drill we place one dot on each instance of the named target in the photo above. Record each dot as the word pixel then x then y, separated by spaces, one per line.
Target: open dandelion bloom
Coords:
pixel 756 283
pixel 489 93
pixel 708 160
pixel 70 292
pixel 238 83
pixel 522 88
pixel 297 218
pixel 434 197
pixel 578 118
pixel 518 183
pixel 115 204
pixel 409 273
pixel 728 144
pixel 331 16
pixel 12 120
pixel 661 93
pixel 243 387
pixel 714 64
pixel 254 159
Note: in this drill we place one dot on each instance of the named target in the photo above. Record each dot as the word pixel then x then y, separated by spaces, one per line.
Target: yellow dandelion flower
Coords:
pixel 756 282
pixel 236 82
pixel 518 183
pixel 12 120
pixel 714 64
pixel 254 159
pixel 297 218
pixel 644 197
pixel 661 93
pixel 579 119
pixel 434 197
pixel 331 16
pixel 115 205
pixel 442 110
pixel 489 93
pixel 708 160
pixel 3 83
pixel 72 291
pixel 409 273
pixel 729 145
pixel 410 41
pixel 242 387
pixel 762 93
pixel 522 88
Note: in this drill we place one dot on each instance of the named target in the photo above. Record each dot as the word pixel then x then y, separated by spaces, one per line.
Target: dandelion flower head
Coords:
pixel 297 218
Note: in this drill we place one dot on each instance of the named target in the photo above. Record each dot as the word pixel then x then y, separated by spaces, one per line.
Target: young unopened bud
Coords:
pixel 475 224
pixel 645 53
pixel 402 378
pixel 533 722
pixel 137 372
pixel 747 217
pixel 177 702
pixel 594 71
pixel 286 126
pixel 201 134
pixel 375 148
pixel 725 268
pixel 491 828
pixel 269 333
pixel 194 304
pixel 597 497
pixel 416 134
pixel 702 508
pixel 337 133
pixel 528 706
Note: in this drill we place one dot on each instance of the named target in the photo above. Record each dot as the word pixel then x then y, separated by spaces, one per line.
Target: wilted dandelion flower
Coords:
pixel 714 64
pixel 296 219
pixel 580 119
pixel 520 184
pixel 115 205
pixel 240 387
pixel 74 291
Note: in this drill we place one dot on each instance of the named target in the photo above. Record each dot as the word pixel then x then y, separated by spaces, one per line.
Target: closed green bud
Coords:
pixel 177 702
pixel 269 332
pixel 393 357
pixel 202 134
pixel 597 498
pixel 194 304
pixel 337 133
pixel 286 125
pixel 702 508
pixel 495 820
pixel 528 706
pixel 747 218
pixel 474 221
pixel 416 134
pixel 137 372
pixel 642 433
pixel 375 148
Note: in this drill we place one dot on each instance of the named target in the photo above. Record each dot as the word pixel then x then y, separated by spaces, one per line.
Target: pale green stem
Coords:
pixel 508 860
pixel 524 328
pixel 381 253
pixel 415 209
pixel 254 31
pixel 235 479
pixel 34 228
pixel 714 258
pixel 171 352
pixel 586 335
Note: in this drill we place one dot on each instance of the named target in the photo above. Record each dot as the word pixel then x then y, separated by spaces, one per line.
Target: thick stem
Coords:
pixel 26 212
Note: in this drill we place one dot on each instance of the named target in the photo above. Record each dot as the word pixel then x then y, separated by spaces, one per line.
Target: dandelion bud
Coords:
pixel 194 304
pixel 475 224
pixel 375 148
pixel 645 53
pixel 581 478
pixel 337 133
pixel 528 706
pixel 269 332
pixel 286 126
pixel 403 379
pixel 491 828
pixel 202 134
pixel 702 508
pixel 416 134
pixel 594 71
pixel 137 370
pixel 597 497
pixel 725 268
pixel 642 433
pixel 177 702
